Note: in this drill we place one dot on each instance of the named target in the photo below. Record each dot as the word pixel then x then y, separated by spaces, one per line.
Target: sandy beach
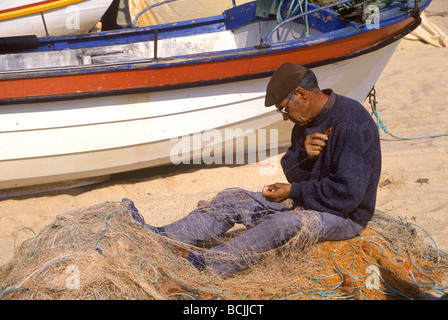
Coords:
pixel 412 102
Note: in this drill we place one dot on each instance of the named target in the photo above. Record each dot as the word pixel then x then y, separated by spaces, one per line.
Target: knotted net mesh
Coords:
pixel 103 252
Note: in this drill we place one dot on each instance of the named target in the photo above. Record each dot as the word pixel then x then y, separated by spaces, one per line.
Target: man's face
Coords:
pixel 296 107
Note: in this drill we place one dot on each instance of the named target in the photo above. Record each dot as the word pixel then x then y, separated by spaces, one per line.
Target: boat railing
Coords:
pixel 134 23
pixel 264 42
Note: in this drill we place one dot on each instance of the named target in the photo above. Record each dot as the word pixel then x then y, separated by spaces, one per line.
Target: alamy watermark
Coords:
pixel 73 20
pixel 228 146
pixel 373 280
pixel 372 14
pixel 72 281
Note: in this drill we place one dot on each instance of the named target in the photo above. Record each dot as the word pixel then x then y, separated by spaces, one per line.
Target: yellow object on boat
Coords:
pixel 33 8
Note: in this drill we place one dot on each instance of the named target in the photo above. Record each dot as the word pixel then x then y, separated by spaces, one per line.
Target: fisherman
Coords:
pixel 333 167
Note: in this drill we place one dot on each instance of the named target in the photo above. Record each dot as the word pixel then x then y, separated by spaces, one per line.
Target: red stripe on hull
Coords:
pixel 188 73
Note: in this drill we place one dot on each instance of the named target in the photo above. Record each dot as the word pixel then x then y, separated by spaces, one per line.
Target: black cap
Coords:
pixel 284 80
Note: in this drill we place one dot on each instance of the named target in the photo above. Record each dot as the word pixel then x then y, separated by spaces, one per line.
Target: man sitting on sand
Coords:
pixel 333 167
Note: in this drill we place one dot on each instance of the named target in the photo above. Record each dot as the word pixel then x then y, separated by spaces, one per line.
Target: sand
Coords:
pixel 412 102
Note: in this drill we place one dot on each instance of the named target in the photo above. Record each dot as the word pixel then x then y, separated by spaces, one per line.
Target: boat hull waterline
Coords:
pixel 102 119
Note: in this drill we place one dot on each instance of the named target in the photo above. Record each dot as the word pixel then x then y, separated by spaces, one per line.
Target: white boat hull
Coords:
pixel 92 137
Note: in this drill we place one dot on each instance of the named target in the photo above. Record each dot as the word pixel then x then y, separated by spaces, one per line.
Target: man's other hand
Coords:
pixel 276 192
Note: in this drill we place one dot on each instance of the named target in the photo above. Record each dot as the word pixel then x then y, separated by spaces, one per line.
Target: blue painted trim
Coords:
pixel 203 83
pixel 391 16
pixel 127 36
pixel 244 14
pixel 231 19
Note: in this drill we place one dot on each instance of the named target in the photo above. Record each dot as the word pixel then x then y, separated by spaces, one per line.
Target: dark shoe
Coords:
pixel 139 218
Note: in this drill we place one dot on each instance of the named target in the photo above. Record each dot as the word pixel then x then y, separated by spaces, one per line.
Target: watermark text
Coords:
pixel 228 146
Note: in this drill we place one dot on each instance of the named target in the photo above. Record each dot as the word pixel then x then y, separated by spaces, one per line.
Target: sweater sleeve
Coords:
pixel 342 188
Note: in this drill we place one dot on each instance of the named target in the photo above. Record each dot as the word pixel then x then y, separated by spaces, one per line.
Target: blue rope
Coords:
pixel 149 8
pixel 381 126
pixel 316 284
pixel 293 8
pixel 331 291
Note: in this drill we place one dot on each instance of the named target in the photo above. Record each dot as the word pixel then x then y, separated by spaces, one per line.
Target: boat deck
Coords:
pixel 208 35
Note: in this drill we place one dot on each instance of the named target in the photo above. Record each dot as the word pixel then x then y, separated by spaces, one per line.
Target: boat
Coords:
pixel 50 17
pixel 78 107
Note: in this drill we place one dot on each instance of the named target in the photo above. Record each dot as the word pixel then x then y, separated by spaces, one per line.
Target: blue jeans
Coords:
pixel 269 225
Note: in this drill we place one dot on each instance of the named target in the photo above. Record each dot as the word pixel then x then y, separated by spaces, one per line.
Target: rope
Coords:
pixel 293 8
pixel 381 126
pixel 359 3
pixel 17 234
pixel 317 286
pixel 331 291
pixel 149 8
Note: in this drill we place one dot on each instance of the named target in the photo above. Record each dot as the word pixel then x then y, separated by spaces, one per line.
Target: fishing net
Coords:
pixel 103 252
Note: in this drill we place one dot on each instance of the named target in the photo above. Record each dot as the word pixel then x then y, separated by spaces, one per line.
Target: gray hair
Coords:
pixel 309 81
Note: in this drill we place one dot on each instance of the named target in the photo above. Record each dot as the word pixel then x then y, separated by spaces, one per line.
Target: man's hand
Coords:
pixel 276 192
pixel 314 144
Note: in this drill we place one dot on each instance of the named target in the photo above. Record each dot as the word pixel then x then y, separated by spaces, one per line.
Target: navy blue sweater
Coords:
pixel 343 180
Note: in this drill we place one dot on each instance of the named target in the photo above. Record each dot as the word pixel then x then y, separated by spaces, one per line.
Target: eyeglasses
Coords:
pixel 282 109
